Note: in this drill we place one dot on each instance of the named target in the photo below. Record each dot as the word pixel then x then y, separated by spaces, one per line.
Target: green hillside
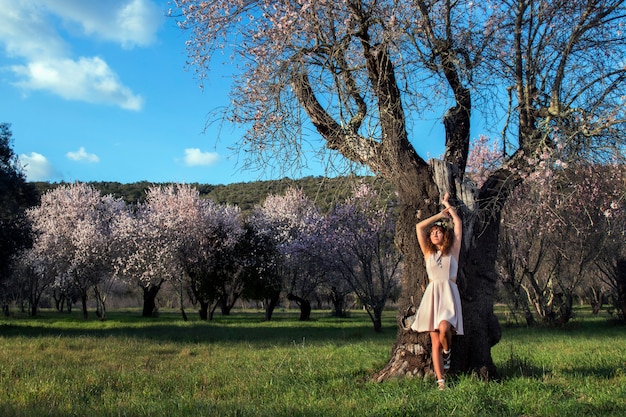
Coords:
pixel 323 191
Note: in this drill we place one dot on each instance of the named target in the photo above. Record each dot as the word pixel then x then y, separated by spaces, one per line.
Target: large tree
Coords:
pixel 73 229
pixel 148 239
pixel 365 72
pixel 207 251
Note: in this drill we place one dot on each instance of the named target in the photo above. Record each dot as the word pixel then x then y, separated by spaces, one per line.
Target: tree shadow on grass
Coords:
pixel 517 367
pixel 236 328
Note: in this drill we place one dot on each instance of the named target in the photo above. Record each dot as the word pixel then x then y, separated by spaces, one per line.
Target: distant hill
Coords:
pixel 323 191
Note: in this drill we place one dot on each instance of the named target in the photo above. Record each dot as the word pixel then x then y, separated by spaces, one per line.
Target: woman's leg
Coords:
pixel 445 338
pixel 445 335
pixel 436 354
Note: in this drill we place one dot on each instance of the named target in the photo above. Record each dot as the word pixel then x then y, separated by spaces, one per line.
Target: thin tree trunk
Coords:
pixel 33 307
pixel 621 287
pixel 339 301
pixel 100 300
pixel 377 319
pixel 83 298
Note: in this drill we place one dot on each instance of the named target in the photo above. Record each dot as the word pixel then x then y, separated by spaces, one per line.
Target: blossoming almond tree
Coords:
pixel 261 261
pixel 359 242
pixel 564 230
pixel 148 238
pixel 207 251
pixel 31 277
pixel 73 229
pixel 364 72
pixel 288 220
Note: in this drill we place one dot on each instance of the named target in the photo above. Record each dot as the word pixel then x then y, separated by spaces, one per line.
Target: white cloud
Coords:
pixel 38 168
pixel 82 155
pixel 127 22
pixel 88 79
pixel 195 157
pixel 38 32
pixel 26 33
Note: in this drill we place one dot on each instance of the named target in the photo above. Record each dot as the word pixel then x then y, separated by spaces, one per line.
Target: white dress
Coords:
pixel 441 300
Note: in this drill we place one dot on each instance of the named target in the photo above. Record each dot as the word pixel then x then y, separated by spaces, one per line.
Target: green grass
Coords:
pixel 60 365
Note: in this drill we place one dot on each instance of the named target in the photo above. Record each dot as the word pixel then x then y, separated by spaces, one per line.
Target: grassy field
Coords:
pixel 60 365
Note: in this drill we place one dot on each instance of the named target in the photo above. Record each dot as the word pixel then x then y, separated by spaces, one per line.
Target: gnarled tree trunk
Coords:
pixel 411 353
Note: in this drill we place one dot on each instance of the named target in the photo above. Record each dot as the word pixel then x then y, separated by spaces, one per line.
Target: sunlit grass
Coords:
pixel 240 365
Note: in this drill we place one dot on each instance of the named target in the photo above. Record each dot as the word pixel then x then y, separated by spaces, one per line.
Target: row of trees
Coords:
pixel 564 238
pixel 563 235
pixel 87 243
pixel 245 195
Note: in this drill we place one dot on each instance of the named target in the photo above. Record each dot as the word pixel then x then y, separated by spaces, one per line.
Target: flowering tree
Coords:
pixel 147 241
pixel 73 229
pixel 207 251
pixel 359 234
pixel 611 260
pixel 561 230
pixel 298 220
pixel 260 262
pixel 364 72
pixel 31 279
pixel 557 229
pixel 290 220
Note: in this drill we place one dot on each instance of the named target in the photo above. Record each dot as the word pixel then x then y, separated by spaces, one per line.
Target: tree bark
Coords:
pixel 33 306
pixel 149 299
pixel 411 353
pixel 83 298
pixel 305 306
pixel 339 301
pixel 204 310
pixel 377 319
pixel 621 288
pixel 270 304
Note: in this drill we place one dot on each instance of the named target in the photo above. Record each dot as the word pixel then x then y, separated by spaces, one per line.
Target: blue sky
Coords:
pixel 98 91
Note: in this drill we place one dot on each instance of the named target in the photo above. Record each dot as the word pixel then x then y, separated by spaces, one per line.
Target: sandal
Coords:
pixel 441 383
pixel 447 356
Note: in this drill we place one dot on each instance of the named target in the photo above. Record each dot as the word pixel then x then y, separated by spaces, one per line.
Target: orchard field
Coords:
pixel 240 365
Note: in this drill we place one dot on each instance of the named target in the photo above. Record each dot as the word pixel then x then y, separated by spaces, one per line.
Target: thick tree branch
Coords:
pixel 381 74
pixel 457 120
pixel 352 145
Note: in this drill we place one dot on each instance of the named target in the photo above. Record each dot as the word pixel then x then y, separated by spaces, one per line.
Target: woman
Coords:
pixel 440 310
